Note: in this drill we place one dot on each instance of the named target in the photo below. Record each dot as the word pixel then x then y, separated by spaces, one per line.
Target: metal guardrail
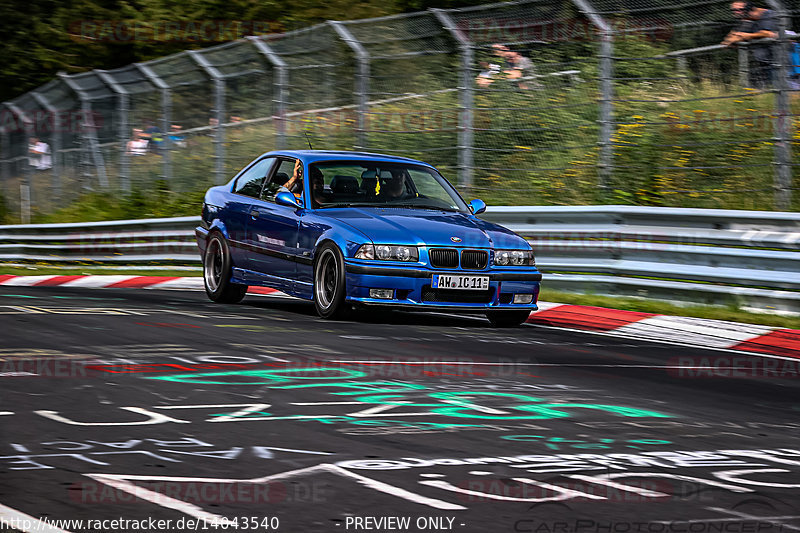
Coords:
pixel 161 240
pixel 747 258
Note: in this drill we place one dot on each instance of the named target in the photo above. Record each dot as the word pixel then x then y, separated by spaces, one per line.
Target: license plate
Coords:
pixel 468 283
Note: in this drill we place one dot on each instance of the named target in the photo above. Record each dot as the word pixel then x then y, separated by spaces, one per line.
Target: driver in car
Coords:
pixel 395 188
pixel 295 183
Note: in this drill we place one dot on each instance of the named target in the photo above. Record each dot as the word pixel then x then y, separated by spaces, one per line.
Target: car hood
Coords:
pixel 426 227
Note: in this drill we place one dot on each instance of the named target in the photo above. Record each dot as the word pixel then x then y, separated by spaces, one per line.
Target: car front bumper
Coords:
pixel 411 287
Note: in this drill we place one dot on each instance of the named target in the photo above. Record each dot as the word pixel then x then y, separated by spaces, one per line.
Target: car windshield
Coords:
pixel 379 184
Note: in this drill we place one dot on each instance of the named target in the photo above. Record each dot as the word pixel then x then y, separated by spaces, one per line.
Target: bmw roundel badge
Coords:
pixel 455 239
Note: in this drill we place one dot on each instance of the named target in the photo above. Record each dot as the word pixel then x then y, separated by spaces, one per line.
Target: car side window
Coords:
pixel 251 182
pixel 282 176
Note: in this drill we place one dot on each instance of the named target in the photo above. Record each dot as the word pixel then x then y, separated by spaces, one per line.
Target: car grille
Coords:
pixel 474 259
pixel 443 257
pixel 430 294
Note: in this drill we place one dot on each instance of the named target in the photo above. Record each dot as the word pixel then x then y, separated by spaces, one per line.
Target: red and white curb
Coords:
pixel 673 329
pixel 117 282
pixel 642 326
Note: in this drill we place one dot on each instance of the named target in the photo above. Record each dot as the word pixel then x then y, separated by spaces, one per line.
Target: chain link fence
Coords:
pixel 527 102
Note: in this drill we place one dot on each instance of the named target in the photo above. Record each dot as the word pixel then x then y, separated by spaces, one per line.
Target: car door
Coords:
pixel 246 190
pixel 272 230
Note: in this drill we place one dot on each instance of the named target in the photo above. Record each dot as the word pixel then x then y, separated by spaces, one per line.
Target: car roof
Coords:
pixel 311 156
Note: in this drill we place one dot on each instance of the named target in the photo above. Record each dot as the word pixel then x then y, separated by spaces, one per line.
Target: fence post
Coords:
pixel 55 141
pixel 166 115
pixel 465 118
pixel 123 107
pixel 606 162
pixel 744 64
pixel 281 82
pixel 25 186
pixel 783 119
pixel 91 145
pixel 5 156
pixel 219 104
pixel 362 81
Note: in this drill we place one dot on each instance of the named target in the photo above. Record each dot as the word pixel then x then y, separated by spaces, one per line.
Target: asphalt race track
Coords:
pixel 145 405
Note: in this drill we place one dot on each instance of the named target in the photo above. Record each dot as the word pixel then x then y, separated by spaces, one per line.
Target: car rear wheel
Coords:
pixel 329 283
pixel 217 272
pixel 508 319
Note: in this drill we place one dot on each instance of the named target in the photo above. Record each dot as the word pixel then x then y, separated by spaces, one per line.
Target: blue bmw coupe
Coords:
pixel 352 228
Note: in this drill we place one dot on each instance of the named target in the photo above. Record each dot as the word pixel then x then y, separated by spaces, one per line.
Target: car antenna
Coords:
pixel 308 140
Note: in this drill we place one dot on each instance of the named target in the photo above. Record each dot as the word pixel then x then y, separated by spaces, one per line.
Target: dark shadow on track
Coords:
pixel 370 315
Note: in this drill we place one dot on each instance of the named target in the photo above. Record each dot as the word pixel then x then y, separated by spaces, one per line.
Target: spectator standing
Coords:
pixel 519 68
pixel 138 144
pixel 176 136
pixel 516 68
pixel 756 23
pixel 39 154
pixel 156 137
pixel 487 74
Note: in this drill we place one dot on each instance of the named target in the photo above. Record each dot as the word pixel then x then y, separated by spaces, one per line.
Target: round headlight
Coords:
pixel 383 252
pixel 502 258
pixel 403 253
pixel 517 257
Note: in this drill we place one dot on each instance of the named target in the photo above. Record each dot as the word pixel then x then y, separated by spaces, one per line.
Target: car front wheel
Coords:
pixel 508 319
pixel 217 266
pixel 329 283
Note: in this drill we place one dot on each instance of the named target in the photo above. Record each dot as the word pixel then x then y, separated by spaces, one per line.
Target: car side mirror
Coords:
pixel 287 199
pixel 477 206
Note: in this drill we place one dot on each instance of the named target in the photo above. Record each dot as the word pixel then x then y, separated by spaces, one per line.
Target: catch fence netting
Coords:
pixel 522 102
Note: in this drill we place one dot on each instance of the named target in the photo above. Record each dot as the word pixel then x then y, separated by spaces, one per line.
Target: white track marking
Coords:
pixel 158 498
pixel 9 516
pixel 773 519
pixel 603 479
pixel 125 483
pixel 563 493
pixel 395 491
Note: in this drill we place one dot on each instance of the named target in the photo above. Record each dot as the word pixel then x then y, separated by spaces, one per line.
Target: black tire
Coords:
pixel 508 319
pixel 217 272
pixel 329 283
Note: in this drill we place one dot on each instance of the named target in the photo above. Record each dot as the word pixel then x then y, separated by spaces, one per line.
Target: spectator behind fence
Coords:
pixel 488 72
pixel 176 136
pixel 519 68
pixel 515 67
pixel 154 136
pixel 793 69
pixel 138 144
pixel 39 154
pixel 756 23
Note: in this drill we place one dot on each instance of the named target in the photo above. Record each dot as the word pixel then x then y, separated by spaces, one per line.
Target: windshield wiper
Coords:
pixel 340 204
pixel 418 206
